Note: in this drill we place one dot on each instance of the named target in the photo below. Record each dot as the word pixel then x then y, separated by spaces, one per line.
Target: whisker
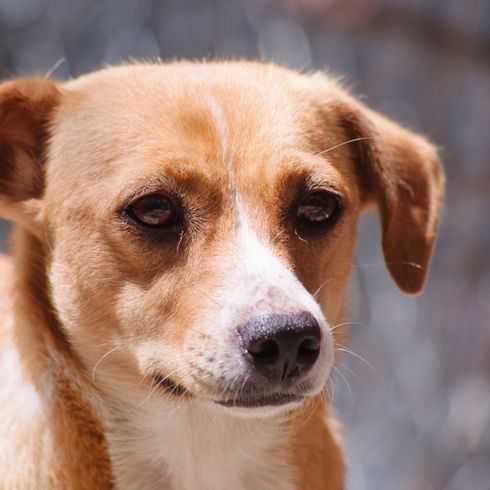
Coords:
pixel 178 406
pixel 55 66
pixel 181 237
pixel 320 288
pixel 346 383
pixel 345 324
pixel 329 397
pixel 153 388
pixel 348 351
pixel 383 263
pixel 342 144
pixel 312 405
pixel 100 360
pixel 349 371
pixel 207 296
pixel 300 237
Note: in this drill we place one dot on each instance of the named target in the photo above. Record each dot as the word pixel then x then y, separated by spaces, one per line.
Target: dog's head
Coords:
pixel 195 216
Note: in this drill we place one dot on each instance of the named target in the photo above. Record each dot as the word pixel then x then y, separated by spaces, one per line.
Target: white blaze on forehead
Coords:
pixel 219 121
pixel 223 135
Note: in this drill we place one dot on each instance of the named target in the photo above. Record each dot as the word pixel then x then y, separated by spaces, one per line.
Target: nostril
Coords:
pixel 309 345
pixel 308 351
pixel 264 351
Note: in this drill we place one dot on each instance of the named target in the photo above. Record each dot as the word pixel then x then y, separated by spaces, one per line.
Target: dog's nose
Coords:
pixel 281 347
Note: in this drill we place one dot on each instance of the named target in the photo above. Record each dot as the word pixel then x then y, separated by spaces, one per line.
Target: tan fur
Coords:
pixel 89 309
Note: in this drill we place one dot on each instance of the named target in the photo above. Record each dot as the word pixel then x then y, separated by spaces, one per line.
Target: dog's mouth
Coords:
pixel 169 386
pixel 276 399
pixel 271 400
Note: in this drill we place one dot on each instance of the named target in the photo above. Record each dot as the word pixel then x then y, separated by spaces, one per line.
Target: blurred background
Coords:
pixel 415 393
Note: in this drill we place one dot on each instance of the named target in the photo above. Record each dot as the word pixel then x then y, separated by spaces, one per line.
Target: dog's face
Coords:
pixel 199 221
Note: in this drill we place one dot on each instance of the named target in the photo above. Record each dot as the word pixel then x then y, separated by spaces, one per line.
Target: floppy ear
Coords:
pixel 400 171
pixel 26 106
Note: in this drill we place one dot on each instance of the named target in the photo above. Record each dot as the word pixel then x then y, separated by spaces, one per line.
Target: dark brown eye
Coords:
pixel 155 211
pixel 318 208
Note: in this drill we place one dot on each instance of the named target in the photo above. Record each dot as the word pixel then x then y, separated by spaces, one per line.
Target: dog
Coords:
pixel 183 243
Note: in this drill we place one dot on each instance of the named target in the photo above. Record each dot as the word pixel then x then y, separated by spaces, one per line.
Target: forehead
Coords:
pixel 221 121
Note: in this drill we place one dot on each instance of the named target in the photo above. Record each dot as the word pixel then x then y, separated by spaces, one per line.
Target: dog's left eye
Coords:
pixel 317 208
pixel 155 211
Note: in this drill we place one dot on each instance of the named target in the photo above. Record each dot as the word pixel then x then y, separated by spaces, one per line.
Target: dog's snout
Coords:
pixel 281 347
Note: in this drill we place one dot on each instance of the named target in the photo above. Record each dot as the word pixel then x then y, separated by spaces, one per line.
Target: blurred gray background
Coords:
pixel 415 395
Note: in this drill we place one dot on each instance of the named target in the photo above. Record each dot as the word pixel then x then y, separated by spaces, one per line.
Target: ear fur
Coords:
pixel 26 106
pixel 400 171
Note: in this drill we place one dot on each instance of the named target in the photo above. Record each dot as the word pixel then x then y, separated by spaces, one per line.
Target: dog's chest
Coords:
pixel 192 450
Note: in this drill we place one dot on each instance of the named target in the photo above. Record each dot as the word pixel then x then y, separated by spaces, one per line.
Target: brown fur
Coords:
pixel 73 154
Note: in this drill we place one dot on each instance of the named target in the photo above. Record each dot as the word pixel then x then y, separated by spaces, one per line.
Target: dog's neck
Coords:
pixel 192 446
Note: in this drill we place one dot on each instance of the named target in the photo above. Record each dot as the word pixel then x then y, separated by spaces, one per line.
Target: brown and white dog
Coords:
pixel 182 250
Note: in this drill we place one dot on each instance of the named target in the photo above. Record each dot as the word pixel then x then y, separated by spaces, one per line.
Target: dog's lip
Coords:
pixel 169 386
pixel 274 399
pixel 270 400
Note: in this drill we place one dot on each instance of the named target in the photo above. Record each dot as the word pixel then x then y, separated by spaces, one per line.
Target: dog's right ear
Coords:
pixel 26 108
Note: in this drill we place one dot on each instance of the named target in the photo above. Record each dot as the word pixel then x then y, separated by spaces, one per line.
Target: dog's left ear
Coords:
pixel 400 172
pixel 26 107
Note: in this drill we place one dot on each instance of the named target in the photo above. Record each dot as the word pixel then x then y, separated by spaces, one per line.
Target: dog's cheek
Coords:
pixel 65 297
pixel 83 282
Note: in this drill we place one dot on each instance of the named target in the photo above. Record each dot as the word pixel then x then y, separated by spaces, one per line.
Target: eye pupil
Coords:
pixel 317 208
pixel 156 210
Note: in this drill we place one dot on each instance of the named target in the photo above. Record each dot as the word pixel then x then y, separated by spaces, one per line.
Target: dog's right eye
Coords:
pixel 153 211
